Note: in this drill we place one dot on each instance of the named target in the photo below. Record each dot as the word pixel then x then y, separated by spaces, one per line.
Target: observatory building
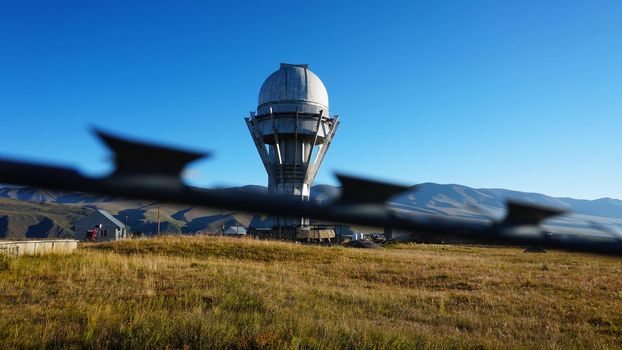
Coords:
pixel 292 129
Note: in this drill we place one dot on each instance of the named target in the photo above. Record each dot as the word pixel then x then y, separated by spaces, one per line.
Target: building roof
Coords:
pixel 293 87
pixel 235 230
pixel 111 218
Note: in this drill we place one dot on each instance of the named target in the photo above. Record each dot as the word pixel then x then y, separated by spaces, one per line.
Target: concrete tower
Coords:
pixel 292 130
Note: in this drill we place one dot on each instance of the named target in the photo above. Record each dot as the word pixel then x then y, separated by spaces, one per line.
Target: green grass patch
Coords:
pixel 199 292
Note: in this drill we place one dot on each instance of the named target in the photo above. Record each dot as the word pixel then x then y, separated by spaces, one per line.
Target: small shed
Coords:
pixel 108 227
pixel 235 230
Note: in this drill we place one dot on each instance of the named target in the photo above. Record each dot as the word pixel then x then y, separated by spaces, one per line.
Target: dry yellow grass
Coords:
pixel 196 292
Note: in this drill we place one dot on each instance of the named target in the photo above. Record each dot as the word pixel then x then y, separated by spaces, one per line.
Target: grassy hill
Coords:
pixel 29 219
pixel 444 200
pixel 22 219
pixel 197 292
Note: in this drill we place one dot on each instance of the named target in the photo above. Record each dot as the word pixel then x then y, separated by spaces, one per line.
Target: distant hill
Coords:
pixel 39 195
pixel 459 200
pixel 30 212
pixel 23 219
pixel 33 213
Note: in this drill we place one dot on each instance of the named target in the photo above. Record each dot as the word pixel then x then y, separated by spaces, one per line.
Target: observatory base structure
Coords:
pixel 292 132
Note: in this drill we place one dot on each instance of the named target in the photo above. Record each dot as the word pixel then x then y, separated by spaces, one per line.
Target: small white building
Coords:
pixel 235 230
pixel 108 227
pixel 357 236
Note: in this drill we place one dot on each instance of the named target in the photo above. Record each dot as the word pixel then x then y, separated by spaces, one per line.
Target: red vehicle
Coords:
pixel 91 235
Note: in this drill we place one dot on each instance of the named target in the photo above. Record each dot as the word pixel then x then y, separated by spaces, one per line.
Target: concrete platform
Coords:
pixel 39 247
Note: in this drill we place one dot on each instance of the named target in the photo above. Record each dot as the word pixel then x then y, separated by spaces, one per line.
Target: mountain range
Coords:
pixel 36 213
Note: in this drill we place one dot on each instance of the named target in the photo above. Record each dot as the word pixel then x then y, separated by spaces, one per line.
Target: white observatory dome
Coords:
pixel 293 87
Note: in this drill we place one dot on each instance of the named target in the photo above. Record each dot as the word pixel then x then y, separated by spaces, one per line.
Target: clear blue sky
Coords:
pixel 525 95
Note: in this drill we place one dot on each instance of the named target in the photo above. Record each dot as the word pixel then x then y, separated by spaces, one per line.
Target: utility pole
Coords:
pixel 158 231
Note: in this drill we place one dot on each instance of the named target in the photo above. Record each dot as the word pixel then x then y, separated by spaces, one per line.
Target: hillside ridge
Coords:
pixel 27 211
